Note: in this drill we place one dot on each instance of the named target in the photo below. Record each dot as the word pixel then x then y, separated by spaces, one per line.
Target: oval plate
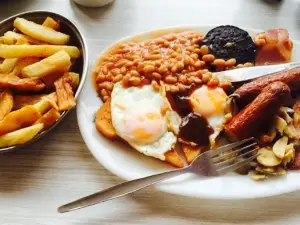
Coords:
pixel 129 164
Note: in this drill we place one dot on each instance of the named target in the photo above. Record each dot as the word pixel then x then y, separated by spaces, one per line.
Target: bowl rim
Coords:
pixel 84 52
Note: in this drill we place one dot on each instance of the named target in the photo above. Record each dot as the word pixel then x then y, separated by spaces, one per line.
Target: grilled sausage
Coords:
pixel 255 115
pixel 248 92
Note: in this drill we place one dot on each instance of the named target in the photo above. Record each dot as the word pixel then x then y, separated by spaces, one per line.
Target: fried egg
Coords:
pixel 210 103
pixel 143 117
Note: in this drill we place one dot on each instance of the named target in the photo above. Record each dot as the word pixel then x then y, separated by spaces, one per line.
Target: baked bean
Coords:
pixel 186 60
pixel 106 85
pixel 206 77
pixel 116 71
pixel 108 77
pixel 226 85
pixel 178 57
pixel 190 80
pixel 174 54
pixel 204 50
pixel 208 58
pixel 117 78
pixel 199 74
pixel 240 66
pixel 140 66
pixel 100 78
pixel 181 87
pixel 213 82
pixel 120 63
pixel 134 81
pixel 155 85
pixel 230 62
pixel 125 79
pixel 197 51
pixel 104 92
pixel 149 69
pixel 104 70
pixel 156 76
pixel 191 68
pixel 248 64
pixel 166 44
pixel 182 41
pixel 159 41
pixel 197 80
pixel 194 56
pixel 189 48
pixel 170 37
pixel 170 79
pixel 123 70
pixel 182 78
pixel 219 62
pixel 162 69
pixel 145 81
pixel 105 98
pixel 134 73
pixel 174 88
pixel 129 64
pixel 199 63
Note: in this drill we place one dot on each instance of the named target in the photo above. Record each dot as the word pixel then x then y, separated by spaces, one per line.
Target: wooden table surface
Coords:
pixel 60 168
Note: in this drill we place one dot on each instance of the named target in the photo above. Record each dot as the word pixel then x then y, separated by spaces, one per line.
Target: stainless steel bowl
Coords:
pixel 80 66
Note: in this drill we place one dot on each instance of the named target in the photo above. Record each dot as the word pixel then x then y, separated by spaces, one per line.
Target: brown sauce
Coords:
pixel 195 128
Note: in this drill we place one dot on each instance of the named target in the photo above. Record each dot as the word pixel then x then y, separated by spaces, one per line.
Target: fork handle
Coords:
pixel 120 190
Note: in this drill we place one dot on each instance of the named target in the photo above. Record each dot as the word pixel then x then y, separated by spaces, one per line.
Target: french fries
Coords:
pixel 15 120
pixel 6 103
pixel 21 51
pixel 34 61
pixel 8 65
pixel 42 106
pixel 20 136
pixel 49 118
pixel 51 23
pixel 26 39
pixel 65 95
pixel 52 99
pixel 60 61
pixel 40 32
pixel 10 81
pixel 23 100
pixel 23 62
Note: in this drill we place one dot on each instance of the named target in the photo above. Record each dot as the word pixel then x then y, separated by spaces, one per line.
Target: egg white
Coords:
pixel 137 98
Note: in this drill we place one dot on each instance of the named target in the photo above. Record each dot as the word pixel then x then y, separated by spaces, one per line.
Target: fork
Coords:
pixel 211 163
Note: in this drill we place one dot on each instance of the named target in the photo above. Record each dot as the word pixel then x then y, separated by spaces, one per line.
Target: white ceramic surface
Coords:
pixel 129 164
pixel 93 3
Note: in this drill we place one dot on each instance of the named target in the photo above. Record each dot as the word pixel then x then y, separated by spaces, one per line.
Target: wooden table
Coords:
pixel 60 168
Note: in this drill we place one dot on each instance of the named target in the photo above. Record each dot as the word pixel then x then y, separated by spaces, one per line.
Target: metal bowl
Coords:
pixel 80 66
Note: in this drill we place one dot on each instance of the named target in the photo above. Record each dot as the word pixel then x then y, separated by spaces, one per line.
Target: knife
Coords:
pixel 250 73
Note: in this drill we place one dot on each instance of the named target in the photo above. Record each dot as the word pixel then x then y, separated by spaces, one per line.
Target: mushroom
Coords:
pixel 267 157
pixel 279 147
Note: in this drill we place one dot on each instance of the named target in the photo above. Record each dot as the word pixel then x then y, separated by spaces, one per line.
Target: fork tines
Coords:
pixel 225 156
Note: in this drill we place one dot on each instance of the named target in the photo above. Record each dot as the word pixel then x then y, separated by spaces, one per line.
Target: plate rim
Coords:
pixel 161 186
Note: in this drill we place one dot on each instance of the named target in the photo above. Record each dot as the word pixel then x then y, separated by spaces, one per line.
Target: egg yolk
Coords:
pixel 208 101
pixel 143 125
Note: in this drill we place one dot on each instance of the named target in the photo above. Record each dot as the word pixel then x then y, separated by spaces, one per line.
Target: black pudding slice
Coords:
pixel 226 42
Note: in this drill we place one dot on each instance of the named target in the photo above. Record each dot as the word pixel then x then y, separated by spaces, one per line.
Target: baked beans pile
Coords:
pixel 175 58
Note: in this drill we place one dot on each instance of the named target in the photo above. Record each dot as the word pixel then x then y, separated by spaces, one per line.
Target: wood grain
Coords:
pixel 60 168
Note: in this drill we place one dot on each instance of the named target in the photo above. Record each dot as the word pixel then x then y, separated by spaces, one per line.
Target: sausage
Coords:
pixel 248 92
pixel 258 113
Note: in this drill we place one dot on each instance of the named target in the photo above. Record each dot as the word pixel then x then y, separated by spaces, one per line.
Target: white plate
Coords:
pixel 128 164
